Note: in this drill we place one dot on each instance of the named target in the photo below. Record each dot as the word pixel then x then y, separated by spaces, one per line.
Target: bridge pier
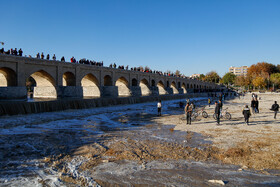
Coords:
pixel 11 92
pixel 135 91
pixel 70 91
pixel 109 91
pixel 169 90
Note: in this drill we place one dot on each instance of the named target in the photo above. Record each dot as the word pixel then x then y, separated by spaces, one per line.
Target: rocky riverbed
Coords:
pixel 132 146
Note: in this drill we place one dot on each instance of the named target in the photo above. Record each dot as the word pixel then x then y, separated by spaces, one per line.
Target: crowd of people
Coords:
pixel 12 51
pixel 90 62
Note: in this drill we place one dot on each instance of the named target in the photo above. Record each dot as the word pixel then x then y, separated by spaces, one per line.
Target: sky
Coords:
pixel 192 36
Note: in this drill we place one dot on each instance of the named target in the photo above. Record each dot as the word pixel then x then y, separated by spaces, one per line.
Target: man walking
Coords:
pixel 275 108
pixel 188 112
pixel 217 112
pixel 246 113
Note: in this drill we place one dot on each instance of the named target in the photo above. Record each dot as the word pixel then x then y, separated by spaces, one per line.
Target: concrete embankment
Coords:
pixel 24 107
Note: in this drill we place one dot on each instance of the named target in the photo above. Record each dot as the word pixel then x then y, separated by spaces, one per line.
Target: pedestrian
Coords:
pixel 188 112
pixel 159 107
pixel 217 112
pixel 253 105
pixel 275 108
pixel 20 52
pixel 209 101
pixel 256 104
pixel 221 104
pixel 62 59
pixel 42 55
pixel 48 57
pixel 54 57
pixel 246 113
pixel 38 55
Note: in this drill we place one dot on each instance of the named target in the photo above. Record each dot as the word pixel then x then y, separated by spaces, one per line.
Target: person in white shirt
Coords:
pixel 159 107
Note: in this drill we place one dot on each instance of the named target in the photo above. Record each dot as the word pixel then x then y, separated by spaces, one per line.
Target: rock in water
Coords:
pixel 217 182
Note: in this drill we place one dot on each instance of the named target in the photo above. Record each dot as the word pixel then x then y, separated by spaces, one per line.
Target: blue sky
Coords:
pixel 192 36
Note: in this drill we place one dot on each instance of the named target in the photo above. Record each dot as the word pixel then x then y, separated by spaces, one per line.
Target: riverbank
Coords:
pixel 131 145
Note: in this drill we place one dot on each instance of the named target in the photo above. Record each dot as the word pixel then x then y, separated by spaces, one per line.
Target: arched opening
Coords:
pixel 68 79
pixel 188 86
pixel 108 80
pixel 161 89
pixel 191 86
pixel 134 82
pixel 90 86
pixel 8 77
pixel 123 90
pixel 153 83
pixel 144 85
pixel 184 88
pixel 41 85
pixel 173 86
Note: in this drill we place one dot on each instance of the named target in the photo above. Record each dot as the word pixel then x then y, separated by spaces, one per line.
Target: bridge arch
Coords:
pixel 68 79
pixel 90 86
pixel 161 89
pixel 8 77
pixel 144 85
pixel 123 87
pixel 173 86
pixel 44 86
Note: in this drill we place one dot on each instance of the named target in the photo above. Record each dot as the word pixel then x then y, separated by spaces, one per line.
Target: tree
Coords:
pixel 177 73
pixel 228 78
pixel 242 81
pixel 212 77
pixel 275 78
pixel 262 69
pixel 201 77
pixel 259 82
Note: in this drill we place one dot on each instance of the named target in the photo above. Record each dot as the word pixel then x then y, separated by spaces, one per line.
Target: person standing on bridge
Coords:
pixel 42 55
pixel 54 57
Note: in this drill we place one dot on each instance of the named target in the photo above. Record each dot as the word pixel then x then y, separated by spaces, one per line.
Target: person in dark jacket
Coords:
pixel 256 105
pixel 275 108
pixel 217 112
pixel 188 112
pixel 253 105
pixel 246 113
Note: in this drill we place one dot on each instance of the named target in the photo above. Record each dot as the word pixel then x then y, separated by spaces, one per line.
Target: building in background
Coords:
pixel 239 70
pixel 193 76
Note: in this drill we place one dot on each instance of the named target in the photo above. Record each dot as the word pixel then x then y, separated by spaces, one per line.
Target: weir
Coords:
pixel 23 107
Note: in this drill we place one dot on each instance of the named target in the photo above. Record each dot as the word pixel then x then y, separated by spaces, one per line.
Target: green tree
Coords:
pixel 275 78
pixel 201 77
pixel 212 77
pixel 228 78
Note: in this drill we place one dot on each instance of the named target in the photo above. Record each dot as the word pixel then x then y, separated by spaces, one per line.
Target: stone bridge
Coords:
pixel 55 79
